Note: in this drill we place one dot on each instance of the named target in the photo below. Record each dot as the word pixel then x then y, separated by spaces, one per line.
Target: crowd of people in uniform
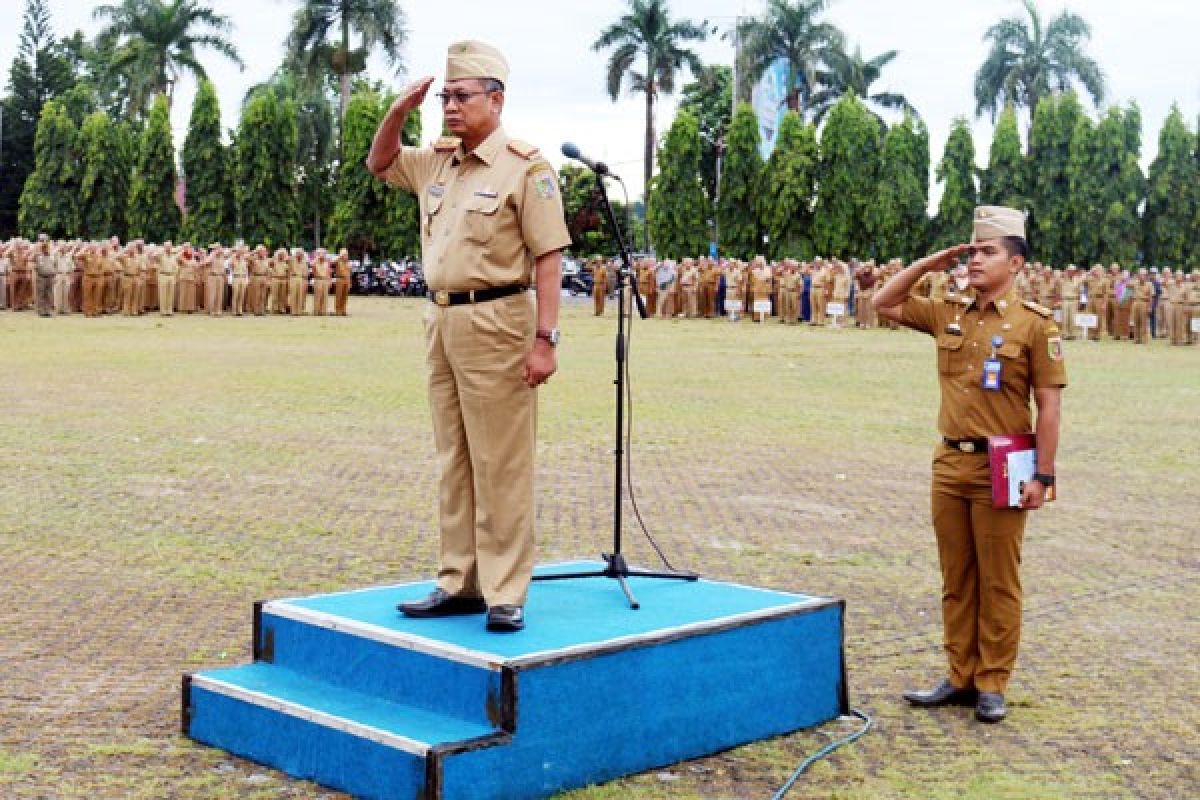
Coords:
pixel 1134 306
pixel 108 277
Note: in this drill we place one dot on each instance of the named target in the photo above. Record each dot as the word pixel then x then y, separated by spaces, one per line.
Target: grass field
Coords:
pixel 158 476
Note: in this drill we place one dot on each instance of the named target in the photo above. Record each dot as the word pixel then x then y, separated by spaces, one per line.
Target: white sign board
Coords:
pixel 1195 324
pixel 835 309
pixel 1085 320
pixel 762 306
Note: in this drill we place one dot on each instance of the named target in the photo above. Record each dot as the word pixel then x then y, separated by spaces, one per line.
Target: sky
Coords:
pixel 556 88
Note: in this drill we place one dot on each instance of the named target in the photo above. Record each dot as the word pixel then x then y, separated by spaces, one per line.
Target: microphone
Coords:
pixel 571 151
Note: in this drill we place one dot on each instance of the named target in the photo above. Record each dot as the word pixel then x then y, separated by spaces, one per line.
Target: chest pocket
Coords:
pixel 481 218
pixel 950 355
pixel 1009 351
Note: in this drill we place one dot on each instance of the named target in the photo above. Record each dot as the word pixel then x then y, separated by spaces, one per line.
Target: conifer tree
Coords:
pixel 106 166
pixel 850 154
pixel 49 201
pixel 956 173
pixel 741 173
pixel 153 213
pixel 789 182
pixel 1170 194
pixel 1086 201
pixel 265 172
pixel 1003 183
pixel 675 213
pixel 205 171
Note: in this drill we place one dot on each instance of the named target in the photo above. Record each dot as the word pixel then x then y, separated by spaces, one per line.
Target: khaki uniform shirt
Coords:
pixel 1030 353
pixel 485 215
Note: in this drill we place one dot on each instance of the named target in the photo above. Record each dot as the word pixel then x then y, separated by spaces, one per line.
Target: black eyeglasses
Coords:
pixel 459 97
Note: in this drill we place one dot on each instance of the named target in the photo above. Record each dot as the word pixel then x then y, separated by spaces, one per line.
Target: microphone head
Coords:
pixel 570 150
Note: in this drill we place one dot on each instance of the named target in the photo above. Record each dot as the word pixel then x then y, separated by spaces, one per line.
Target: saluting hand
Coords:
pixel 411 96
pixel 944 259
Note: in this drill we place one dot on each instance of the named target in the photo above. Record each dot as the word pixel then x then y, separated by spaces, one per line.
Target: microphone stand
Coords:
pixel 615 565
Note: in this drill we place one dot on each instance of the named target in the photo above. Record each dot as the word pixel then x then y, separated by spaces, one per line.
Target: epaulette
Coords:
pixel 1037 309
pixel 524 149
pixel 446 144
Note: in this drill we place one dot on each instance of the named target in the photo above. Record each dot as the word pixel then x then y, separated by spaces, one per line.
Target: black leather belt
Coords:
pixel 445 298
pixel 967 445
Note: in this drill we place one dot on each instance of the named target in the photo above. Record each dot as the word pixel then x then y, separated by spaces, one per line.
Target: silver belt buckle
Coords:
pixel 967 447
pixel 441 297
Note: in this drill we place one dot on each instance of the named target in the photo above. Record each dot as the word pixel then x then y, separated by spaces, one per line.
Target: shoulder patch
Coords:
pixel 446 144
pixel 524 149
pixel 1037 309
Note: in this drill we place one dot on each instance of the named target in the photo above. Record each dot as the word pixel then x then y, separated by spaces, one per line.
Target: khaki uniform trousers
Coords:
pixel 320 296
pixel 257 295
pixel 691 301
pixel 112 293
pixel 93 295
pixel 297 294
pixel 979 549
pixel 1099 307
pixel 237 303
pixel 341 294
pixel 598 293
pixel 166 295
pixel 1181 322
pixel 62 291
pixel 21 289
pixel 1070 306
pixel 818 307
pixel 1141 321
pixel 214 294
pixel 484 423
pixel 708 304
pixel 3 290
pixel 1120 319
pixel 278 288
pixel 127 282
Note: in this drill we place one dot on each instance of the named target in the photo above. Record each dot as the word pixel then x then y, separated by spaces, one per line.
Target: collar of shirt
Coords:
pixel 488 149
pixel 1002 304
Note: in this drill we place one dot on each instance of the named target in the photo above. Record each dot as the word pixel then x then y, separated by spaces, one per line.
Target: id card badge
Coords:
pixel 991 367
pixel 991 374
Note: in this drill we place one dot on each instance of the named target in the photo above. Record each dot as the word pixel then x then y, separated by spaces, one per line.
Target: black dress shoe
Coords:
pixel 505 619
pixel 440 603
pixel 990 707
pixel 944 694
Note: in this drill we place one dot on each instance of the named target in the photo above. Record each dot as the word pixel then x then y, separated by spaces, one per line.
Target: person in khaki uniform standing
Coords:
pixel 1190 307
pixel 1176 292
pixel 979 547
pixel 167 267
pixel 599 285
pixel 187 280
pixel 5 268
pixel 1097 301
pixel 45 268
pixel 64 267
pixel 20 276
pixel 240 269
pixel 341 282
pixel 321 272
pixel 1068 297
pixel 260 271
pixel 214 284
pixel 297 282
pixel 1142 292
pixel 93 280
pixel 491 224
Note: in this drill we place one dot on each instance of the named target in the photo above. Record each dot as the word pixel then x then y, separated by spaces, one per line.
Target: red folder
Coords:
pixel 1013 460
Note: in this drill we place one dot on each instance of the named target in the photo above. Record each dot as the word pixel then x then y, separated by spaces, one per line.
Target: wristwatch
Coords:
pixel 1044 479
pixel 552 336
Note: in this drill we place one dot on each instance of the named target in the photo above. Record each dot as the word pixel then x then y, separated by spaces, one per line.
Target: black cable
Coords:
pixel 637 513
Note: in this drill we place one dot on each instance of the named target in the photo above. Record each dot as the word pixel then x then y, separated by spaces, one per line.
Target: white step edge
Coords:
pixel 495 662
pixel 388 636
pixel 386 738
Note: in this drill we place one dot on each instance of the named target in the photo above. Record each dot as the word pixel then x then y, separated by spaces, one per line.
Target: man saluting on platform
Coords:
pixel 994 352
pixel 491 223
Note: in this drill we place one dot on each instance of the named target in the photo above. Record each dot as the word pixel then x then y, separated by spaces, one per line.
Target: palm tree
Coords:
pixel 851 73
pixel 154 42
pixel 1028 61
pixel 648 32
pixel 790 31
pixel 378 23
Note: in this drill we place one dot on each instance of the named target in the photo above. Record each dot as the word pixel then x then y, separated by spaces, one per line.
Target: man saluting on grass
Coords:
pixel 994 353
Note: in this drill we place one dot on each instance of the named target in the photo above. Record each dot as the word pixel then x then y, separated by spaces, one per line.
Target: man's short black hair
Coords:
pixel 1016 246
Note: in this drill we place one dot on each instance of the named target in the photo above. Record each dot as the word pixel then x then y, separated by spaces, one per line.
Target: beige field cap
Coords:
pixel 992 222
pixel 474 59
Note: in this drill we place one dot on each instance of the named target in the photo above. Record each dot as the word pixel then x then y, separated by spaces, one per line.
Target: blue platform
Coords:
pixel 346 691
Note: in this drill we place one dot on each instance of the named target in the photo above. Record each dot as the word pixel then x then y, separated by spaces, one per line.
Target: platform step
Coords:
pixel 314 730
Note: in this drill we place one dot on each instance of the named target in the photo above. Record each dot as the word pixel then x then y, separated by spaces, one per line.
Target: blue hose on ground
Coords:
pixel 824 751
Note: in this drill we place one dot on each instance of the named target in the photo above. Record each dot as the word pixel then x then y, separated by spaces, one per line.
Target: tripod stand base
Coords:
pixel 619 570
